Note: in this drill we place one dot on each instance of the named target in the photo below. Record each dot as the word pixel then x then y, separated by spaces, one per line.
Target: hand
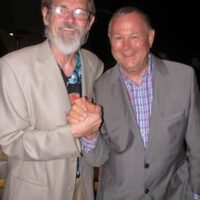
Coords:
pixel 87 128
pixel 85 118
pixel 78 111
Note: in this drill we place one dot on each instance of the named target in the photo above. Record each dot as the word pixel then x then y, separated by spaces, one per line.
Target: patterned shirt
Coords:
pixel 141 98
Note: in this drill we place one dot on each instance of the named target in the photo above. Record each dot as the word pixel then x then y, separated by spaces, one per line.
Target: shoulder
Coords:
pixel 89 56
pixel 23 62
pixel 173 68
pixel 108 77
pixel 91 62
pixel 179 75
pixel 23 55
pixel 177 66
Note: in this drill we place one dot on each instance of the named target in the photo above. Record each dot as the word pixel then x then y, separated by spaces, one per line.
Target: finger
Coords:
pixel 81 103
pixel 98 109
pixel 71 120
pixel 79 109
pixel 76 113
pixel 91 107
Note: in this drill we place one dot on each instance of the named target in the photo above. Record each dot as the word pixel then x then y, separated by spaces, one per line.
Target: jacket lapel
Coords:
pixel 161 89
pixel 49 64
pixel 125 108
pixel 86 76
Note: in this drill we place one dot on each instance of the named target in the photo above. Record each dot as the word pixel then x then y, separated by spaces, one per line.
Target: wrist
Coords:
pixel 74 130
pixel 92 136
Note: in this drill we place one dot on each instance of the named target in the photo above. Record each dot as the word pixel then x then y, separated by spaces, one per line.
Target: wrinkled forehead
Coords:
pixel 128 20
pixel 89 3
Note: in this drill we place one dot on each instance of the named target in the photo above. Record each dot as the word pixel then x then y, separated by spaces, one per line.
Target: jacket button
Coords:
pixel 146 165
pixel 146 191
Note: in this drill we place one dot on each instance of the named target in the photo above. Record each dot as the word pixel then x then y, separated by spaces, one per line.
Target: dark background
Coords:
pixel 176 24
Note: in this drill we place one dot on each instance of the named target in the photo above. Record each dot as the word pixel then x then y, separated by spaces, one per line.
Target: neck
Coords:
pixel 66 61
pixel 136 76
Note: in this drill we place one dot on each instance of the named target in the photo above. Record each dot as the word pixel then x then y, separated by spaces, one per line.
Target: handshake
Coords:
pixel 85 118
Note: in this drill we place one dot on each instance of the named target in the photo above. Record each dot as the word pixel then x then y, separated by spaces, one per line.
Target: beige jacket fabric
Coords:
pixel 42 153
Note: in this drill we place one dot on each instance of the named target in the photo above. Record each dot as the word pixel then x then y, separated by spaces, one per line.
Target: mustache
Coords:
pixel 68 26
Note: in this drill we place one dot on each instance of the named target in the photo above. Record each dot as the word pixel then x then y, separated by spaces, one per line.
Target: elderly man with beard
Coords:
pixel 38 85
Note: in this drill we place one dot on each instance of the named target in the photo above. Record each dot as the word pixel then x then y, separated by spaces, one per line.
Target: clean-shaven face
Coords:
pixel 130 40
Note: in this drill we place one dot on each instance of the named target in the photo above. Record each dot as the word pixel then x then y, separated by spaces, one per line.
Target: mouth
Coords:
pixel 68 29
pixel 128 55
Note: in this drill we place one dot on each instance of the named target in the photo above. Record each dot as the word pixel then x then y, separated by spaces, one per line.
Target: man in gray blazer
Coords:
pixel 38 85
pixel 149 145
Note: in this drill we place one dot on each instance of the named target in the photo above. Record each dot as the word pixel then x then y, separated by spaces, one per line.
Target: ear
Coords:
pixel 151 37
pixel 45 15
pixel 90 22
pixel 108 35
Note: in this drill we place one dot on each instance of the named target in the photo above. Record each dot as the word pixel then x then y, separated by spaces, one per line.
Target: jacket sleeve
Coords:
pixel 193 137
pixel 100 154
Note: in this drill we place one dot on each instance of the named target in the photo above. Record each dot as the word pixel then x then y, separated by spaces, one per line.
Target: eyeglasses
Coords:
pixel 78 13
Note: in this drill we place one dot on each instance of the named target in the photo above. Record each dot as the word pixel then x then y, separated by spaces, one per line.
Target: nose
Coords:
pixel 69 17
pixel 126 43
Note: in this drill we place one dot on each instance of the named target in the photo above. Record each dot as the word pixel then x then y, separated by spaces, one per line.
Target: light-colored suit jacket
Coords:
pixel 34 134
pixel 169 168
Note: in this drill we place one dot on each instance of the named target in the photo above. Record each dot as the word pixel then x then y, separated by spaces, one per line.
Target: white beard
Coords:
pixel 66 44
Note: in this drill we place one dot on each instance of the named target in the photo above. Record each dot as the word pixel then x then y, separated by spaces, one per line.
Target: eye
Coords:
pixel 117 37
pixel 81 13
pixel 60 10
pixel 134 36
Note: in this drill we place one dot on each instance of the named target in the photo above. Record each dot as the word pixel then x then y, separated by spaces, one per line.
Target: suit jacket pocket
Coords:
pixel 176 123
pixel 33 172
pixel 175 116
pixel 172 130
pixel 19 189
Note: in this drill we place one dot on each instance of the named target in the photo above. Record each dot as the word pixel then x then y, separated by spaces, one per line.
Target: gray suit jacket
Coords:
pixel 169 168
pixel 42 153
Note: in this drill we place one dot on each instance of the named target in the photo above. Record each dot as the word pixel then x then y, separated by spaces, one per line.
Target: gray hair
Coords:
pixel 91 6
pixel 127 10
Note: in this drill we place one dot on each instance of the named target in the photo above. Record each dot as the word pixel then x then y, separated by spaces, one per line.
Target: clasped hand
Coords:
pixel 85 118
